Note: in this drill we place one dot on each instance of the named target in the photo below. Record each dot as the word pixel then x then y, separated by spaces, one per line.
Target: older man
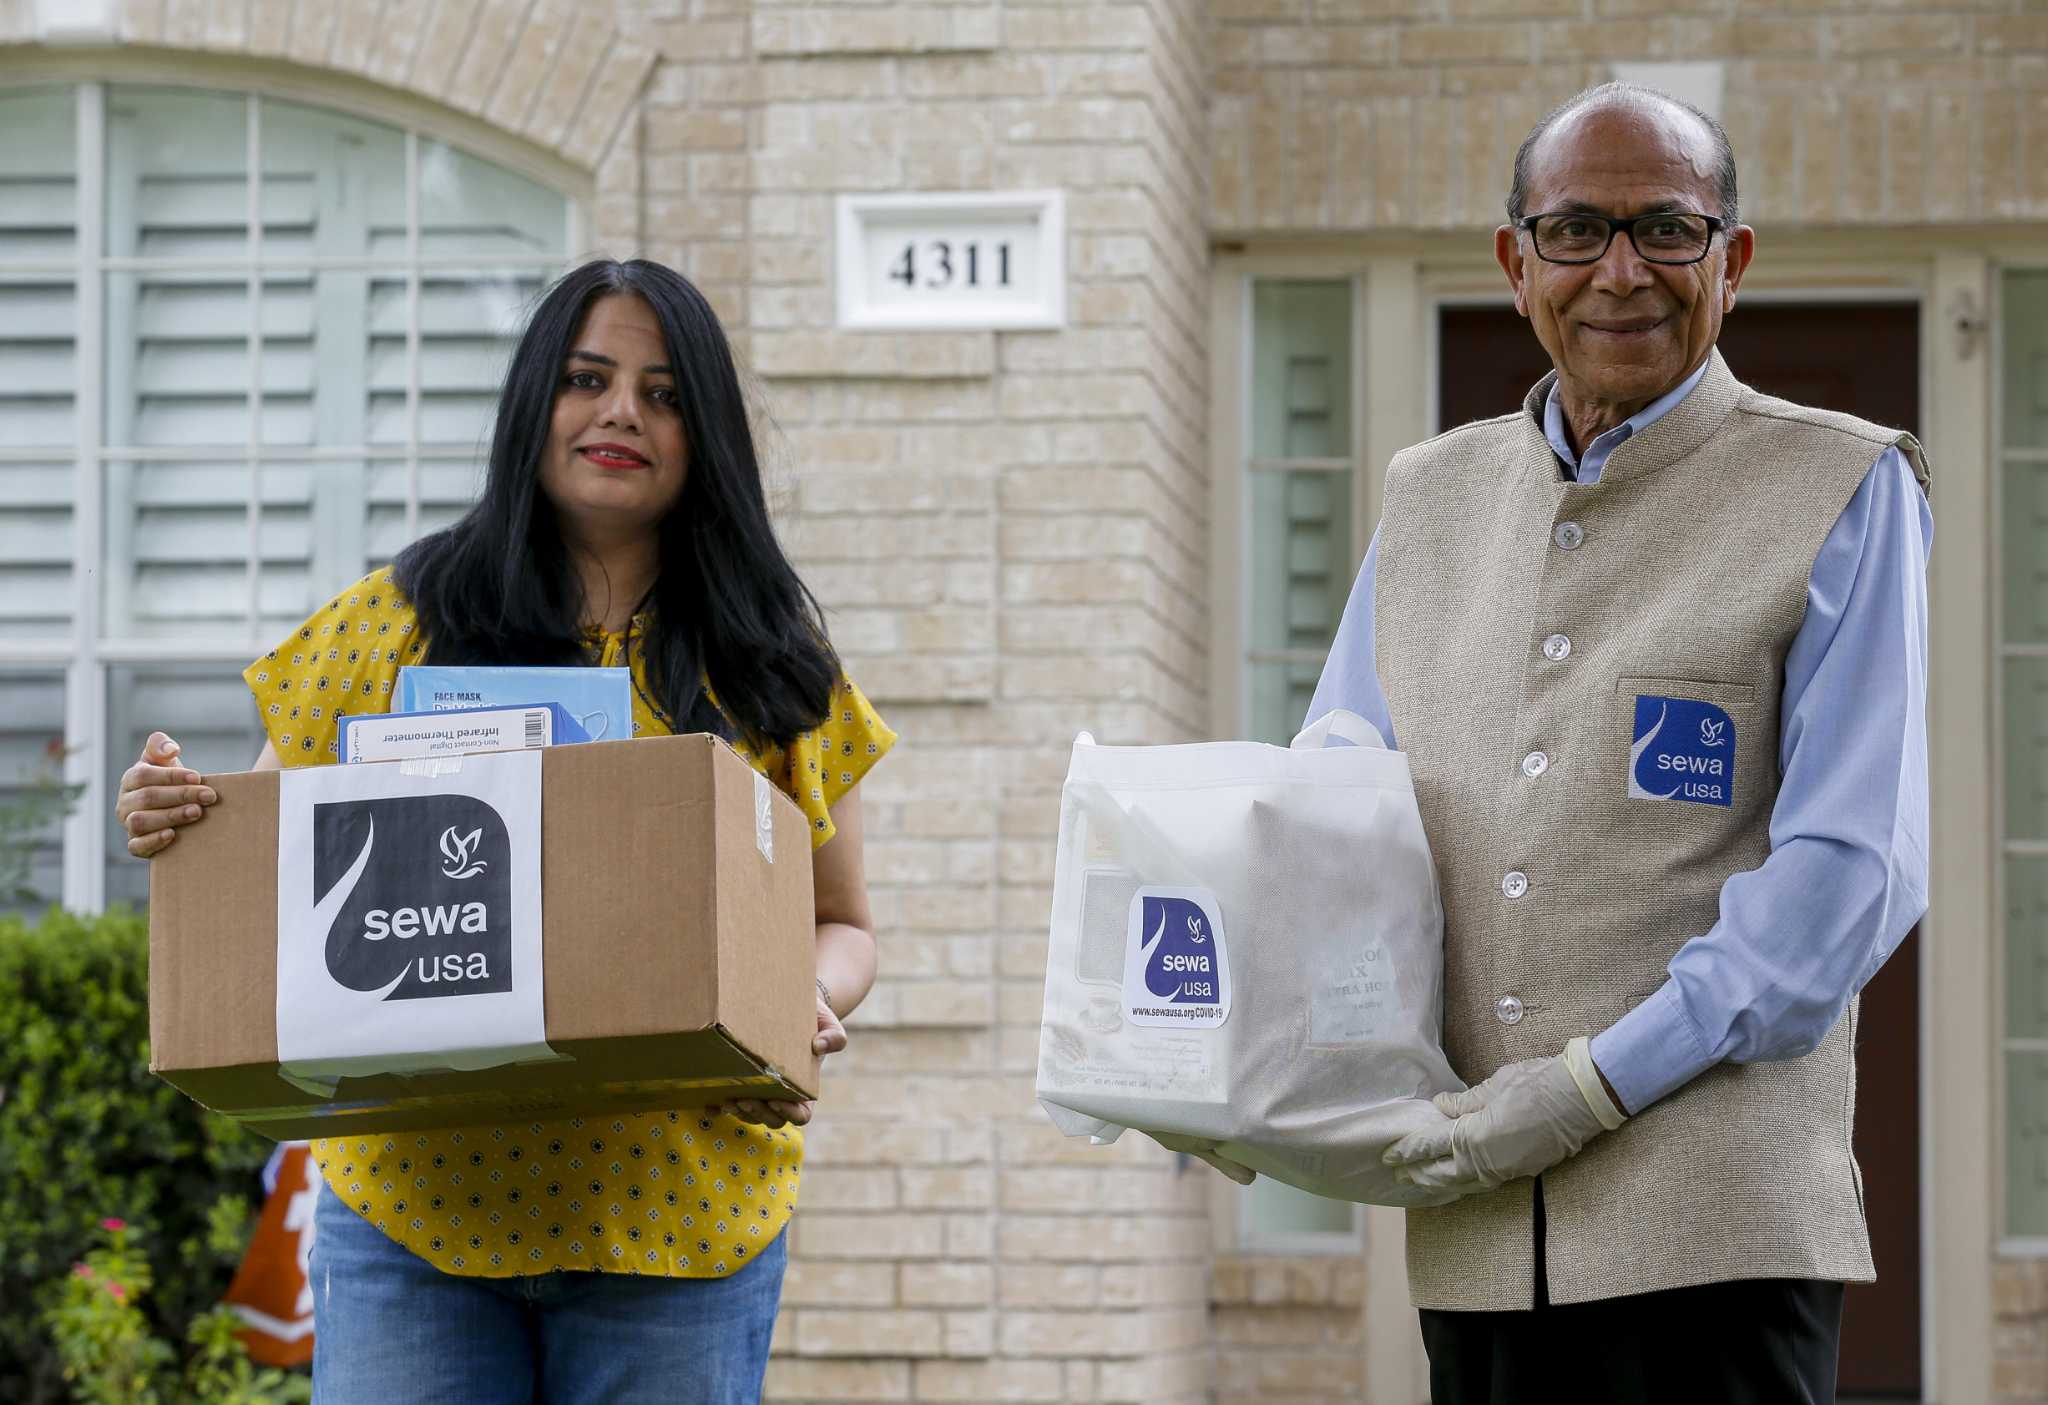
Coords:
pixel 1655 645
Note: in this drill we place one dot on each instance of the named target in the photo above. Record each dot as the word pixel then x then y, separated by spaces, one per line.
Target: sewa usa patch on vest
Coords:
pixel 1684 750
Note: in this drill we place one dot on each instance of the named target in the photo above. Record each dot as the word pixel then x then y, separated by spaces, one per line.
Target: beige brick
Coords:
pixel 827 1187
pixel 948 1187
pixel 946 1285
pixel 441 46
pixel 515 89
pixel 227 25
pixel 1099 1333
pixel 1087 1239
pixel 571 71
pixel 355 34
pixel 2000 34
pixel 1865 35
pixel 1314 1376
pixel 895 29
pixel 1949 132
pixel 969 1236
pixel 848 1236
pixel 185 23
pixel 689 129
pixel 1047 1285
pixel 794 1379
pixel 877 1332
pixel 1159 1285
pixel 1106 26
pixel 983 1383
pixel 841 355
pixel 496 29
pixel 835 1283
pixel 2000 179
pixel 1862 173
pixel 140 21
pixel 980 77
pixel 1465 43
pixel 313 33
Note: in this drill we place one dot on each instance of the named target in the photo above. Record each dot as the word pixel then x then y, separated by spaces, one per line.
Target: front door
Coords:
pixel 1862 358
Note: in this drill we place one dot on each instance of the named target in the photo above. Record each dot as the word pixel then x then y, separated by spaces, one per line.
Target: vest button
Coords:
pixel 1535 764
pixel 1515 884
pixel 1557 648
pixel 1508 1009
pixel 1568 536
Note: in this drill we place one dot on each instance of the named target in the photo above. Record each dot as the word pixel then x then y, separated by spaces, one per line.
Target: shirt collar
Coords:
pixel 1588 470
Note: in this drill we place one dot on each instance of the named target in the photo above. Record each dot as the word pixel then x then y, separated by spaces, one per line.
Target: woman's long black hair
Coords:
pixel 498 587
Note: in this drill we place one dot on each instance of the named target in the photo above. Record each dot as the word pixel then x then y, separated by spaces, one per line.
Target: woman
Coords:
pixel 622 522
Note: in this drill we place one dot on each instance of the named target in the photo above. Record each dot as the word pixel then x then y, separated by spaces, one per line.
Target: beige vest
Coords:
pixel 1689 582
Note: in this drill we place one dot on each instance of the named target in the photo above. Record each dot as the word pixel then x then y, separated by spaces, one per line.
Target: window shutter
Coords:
pixel 38 365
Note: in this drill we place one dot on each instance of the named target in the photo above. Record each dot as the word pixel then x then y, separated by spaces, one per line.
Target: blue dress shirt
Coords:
pixel 1846 878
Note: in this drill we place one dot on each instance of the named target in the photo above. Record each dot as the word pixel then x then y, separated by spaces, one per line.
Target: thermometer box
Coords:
pixel 404 736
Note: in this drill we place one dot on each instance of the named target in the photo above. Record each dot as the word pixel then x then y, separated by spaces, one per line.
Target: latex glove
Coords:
pixel 1520 1122
pixel 1205 1151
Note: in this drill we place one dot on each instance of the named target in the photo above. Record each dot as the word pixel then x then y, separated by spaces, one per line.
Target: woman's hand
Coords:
pixel 830 1039
pixel 157 796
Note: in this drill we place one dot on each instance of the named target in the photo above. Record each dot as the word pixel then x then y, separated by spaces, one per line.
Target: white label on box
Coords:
pixel 409 917
pixel 406 737
pixel 764 817
pixel 1176 972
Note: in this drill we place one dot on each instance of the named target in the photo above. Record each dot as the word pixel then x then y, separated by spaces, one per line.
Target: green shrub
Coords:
pixel 87 1133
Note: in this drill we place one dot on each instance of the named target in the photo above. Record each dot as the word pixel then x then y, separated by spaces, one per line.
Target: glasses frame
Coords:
pixel 1715 225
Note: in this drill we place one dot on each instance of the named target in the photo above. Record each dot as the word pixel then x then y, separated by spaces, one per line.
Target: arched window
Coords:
pixel 248 349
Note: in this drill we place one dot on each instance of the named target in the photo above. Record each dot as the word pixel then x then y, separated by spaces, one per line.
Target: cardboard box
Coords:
pixel 678 963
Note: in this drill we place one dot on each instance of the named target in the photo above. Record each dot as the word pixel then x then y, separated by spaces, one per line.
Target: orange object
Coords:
pixel 271 1293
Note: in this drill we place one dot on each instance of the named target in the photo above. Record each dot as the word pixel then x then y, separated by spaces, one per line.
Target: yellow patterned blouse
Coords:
pixel 672 1194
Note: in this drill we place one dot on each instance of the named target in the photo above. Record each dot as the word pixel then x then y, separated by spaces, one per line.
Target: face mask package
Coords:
pixel 1246 956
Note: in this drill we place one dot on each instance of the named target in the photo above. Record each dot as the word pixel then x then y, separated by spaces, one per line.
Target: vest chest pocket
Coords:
pixel 1689 742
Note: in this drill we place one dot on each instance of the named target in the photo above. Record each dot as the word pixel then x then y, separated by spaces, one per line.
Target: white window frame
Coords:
pixel 1233 519
pixel 86 656
pixel 2003 845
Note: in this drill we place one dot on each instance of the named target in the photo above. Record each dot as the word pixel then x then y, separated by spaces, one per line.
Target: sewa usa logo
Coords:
pixel 415 895
pixel 1683 750
pixel 1176 972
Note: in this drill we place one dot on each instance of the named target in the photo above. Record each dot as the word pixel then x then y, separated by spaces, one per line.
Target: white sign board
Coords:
pixel 961 261
pixel 409 916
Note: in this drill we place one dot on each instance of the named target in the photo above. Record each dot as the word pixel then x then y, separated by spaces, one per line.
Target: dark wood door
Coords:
pixel 1863 358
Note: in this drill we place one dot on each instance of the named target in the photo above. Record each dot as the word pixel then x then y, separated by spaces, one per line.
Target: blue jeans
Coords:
pixel 391 1329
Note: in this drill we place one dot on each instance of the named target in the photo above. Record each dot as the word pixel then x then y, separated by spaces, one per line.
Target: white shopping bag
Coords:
pixel 1247 955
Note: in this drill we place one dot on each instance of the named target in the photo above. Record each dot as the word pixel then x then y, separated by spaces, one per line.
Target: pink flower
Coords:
pixel 120 1293
pixel 112 1225
pixel 80 1271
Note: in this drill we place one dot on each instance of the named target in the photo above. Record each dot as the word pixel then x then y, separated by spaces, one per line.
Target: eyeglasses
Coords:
pixel 1667 237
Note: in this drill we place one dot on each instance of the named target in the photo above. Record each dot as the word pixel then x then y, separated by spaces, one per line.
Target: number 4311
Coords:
pixel 942 268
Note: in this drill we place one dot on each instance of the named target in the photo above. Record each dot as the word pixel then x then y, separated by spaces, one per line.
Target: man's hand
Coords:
pixel 1520 1122
pixel 1205 1151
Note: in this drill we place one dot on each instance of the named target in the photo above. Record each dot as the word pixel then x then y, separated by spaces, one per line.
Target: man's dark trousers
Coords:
pixel 1773 1341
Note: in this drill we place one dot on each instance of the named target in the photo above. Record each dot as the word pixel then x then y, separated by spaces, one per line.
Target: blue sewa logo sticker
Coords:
pixel 1175 970
pixel 1684 750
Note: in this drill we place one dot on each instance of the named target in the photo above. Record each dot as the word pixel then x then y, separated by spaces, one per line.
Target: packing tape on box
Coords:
pixel 656 1091
pixel 320 1077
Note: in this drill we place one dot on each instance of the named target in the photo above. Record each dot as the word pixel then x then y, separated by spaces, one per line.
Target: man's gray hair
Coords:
pixel 1624 95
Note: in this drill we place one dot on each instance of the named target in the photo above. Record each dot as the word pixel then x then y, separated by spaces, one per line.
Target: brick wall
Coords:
pixel 1403 113
pixel 1289 1330
pixel 2019 1297
pixel 1010 527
